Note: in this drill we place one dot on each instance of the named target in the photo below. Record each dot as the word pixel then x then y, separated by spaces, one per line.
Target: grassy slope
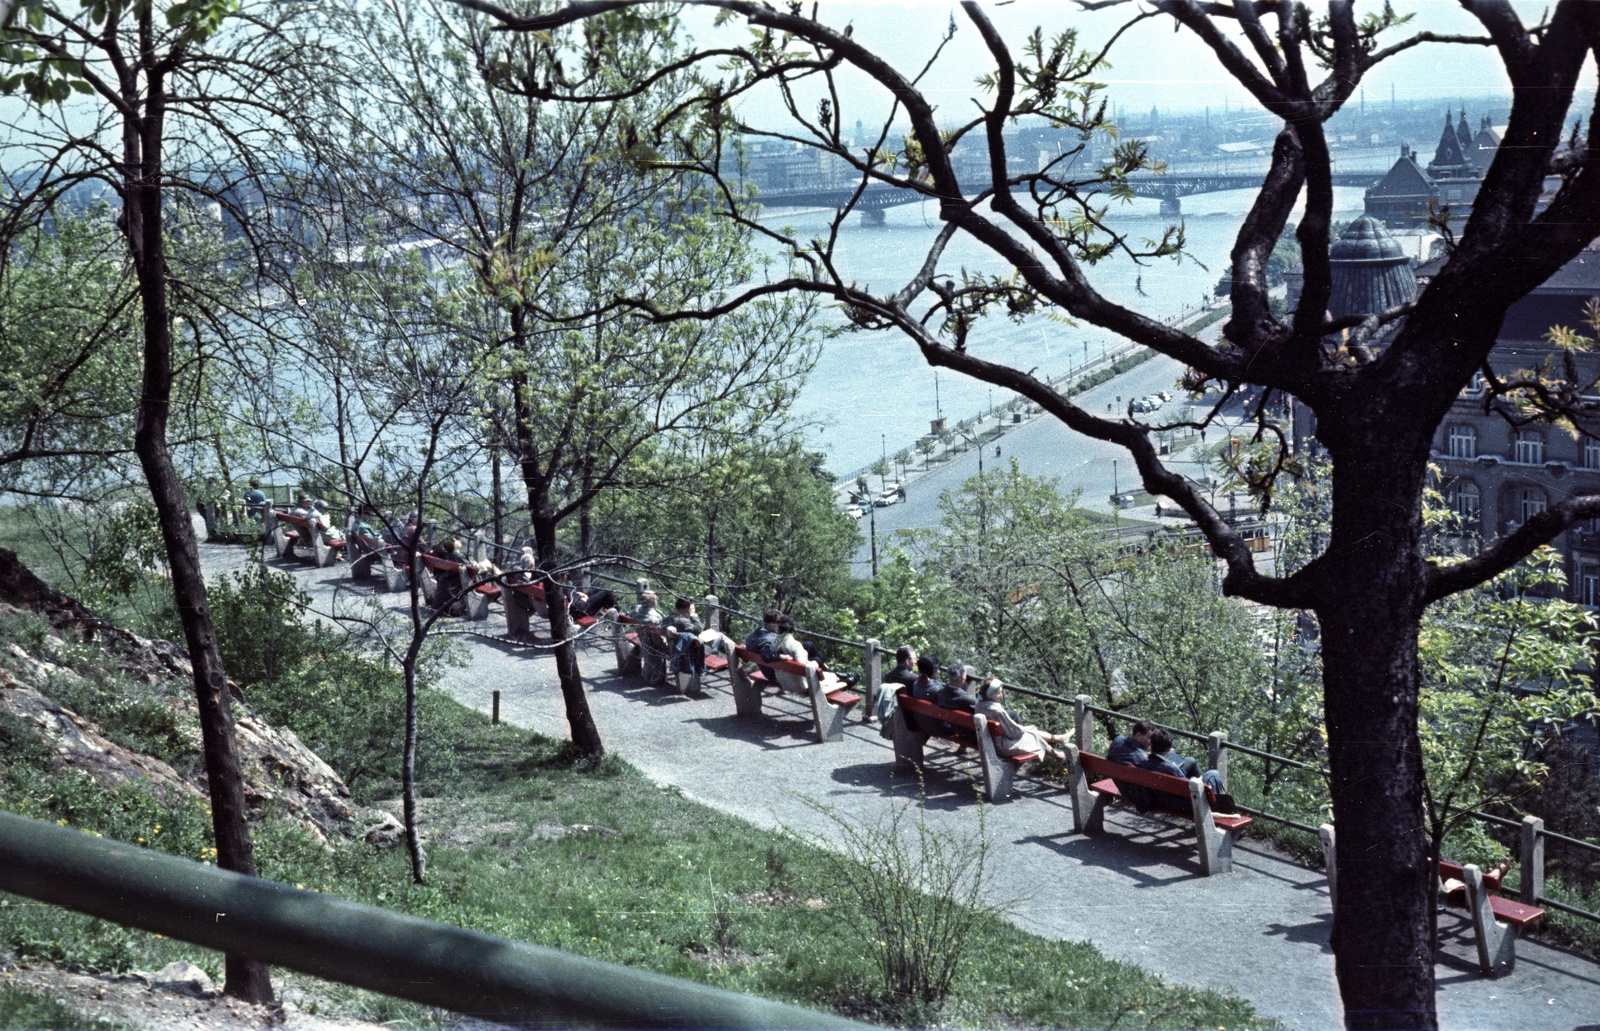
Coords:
pixel 681 889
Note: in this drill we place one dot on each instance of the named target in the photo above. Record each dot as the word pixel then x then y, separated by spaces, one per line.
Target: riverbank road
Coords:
pixel 1044 446
pixel 1135 893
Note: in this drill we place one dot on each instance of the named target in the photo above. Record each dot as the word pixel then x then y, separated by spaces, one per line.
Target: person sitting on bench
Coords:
pixel 408 535
pixel 363 528
pixel 954 694
pixel 451 551
pixel 255 501
pixel 1133 749
pixel 1162 759
pixel 763 640
pixel 688 654
pixel 586 604
pixel 318 519
pixel 646 611
pixel 790 647
pixel 301 507
pixel 1019 737
pixel 904 673
pixel 928 689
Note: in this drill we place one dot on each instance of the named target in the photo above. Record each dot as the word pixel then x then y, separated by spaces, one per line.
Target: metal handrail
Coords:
pixel 435 964
pixel 1563 907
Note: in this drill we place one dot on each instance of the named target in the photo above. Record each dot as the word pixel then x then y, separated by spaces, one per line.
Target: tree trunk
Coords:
pixel 580 721
pixel 1370 615
pixel 142 214
pixel 408 768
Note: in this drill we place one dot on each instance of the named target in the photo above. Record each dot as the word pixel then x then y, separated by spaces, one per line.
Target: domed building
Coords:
pixel 1368 271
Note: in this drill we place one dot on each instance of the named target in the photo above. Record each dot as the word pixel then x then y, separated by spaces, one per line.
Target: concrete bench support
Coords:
pixel 827 719
pixel 323 553
pixel 1497 942
pixel 746 692
pixel 999 773
pixel 908 741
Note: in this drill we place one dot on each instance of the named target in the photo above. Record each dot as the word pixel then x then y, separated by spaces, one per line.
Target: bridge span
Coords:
pixel 1169 188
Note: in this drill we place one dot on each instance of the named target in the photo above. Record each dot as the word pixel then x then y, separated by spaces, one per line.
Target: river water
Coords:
pixel 872 392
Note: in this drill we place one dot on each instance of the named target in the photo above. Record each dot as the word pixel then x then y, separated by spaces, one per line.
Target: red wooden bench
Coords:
pixel 828 708
pixel 524 599
pixel 283 532
pixel 1496 919
pixel 642 649
pixel 1093 790
pixel 446 582
pixel 374 557
pixel 999 771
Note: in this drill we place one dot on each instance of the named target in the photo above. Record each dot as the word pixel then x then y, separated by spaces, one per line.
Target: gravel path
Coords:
pixel 1135 893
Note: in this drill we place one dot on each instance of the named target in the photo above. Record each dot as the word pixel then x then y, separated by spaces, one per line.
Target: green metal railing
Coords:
pixel 404 956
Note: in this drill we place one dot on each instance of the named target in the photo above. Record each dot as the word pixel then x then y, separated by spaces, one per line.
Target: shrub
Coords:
pixel 920 893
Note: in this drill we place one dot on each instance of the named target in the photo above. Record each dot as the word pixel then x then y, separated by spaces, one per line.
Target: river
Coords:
pixel 871 392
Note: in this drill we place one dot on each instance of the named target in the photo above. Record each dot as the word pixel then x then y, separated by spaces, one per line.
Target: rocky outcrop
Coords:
pixel 280 772
pixel 78 743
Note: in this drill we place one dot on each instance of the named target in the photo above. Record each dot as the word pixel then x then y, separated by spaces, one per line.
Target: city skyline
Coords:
pixel 1144 61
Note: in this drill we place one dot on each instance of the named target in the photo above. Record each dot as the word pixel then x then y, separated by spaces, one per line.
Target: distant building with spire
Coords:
pixel 1408 192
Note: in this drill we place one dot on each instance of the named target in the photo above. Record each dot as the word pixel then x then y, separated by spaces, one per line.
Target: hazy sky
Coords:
pixel 1151 64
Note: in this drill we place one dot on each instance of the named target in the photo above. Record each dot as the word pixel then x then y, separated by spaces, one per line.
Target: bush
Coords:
pixel 257 613
pixel 920 894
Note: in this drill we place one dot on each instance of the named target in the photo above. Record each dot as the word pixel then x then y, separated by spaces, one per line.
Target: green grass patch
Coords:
pixel 23 1009
pixel 680 889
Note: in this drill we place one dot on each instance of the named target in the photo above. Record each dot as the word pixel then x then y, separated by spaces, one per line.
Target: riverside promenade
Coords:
pixel 1135 893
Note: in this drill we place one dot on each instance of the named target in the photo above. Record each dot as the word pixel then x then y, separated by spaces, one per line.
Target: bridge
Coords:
pixel 1168 188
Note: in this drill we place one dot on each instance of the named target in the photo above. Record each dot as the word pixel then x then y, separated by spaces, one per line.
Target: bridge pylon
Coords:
pixel 1171 207
pixel 872 216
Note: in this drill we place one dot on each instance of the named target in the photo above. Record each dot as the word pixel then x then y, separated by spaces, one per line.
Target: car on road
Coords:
pixel 854 511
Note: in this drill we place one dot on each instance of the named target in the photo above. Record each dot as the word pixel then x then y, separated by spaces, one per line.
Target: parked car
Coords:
pixel 1165 396
pixel 1144 404
pixel 854 511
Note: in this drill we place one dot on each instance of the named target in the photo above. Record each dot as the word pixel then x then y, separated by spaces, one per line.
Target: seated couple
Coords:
pixel 775 639
pixel 1149 747
pixel 1015 738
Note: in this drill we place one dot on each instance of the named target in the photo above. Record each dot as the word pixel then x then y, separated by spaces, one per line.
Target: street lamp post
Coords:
pixel 872 524
pixel 1116 505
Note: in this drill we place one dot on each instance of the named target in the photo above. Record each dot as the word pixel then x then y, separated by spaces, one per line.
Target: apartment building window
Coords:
pixel 1533 502
pixel 1589 587
pixel 1530 447
pixel 1463 442
pixel 1591 453
pixel 1466 502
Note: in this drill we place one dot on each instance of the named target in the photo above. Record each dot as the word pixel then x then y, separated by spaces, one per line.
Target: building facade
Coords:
pixel 1408 192
pixel 1498 473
